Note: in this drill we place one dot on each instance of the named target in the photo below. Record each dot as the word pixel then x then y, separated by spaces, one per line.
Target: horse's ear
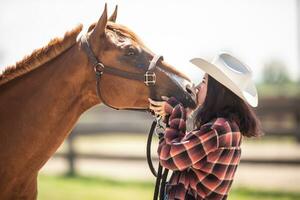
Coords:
pixel 113 17
pixel 101 24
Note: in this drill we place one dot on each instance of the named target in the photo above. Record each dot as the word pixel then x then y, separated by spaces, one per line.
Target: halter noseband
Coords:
pixel 149 78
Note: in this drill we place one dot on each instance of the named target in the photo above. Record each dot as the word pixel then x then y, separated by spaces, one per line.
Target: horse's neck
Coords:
pixel 38 110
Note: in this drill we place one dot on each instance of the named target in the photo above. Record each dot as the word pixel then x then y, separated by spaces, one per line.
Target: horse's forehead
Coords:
pixel 118 40
pixel 121 35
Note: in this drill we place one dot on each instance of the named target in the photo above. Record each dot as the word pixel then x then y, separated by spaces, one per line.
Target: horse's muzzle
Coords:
pixel 190 96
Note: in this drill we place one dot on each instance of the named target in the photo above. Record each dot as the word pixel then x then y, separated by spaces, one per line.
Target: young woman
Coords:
pixel 204 160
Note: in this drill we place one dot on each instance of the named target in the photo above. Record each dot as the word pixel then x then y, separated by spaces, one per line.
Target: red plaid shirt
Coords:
pixel 204 160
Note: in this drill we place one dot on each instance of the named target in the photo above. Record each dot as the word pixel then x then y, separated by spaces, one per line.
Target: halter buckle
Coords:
pixel 99 68
pixel 149 78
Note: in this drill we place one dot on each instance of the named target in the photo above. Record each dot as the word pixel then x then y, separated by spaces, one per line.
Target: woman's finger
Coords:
pixel 165 98
pixel 161 113
pixel 157 110
pixel 156 103
pixel 154 108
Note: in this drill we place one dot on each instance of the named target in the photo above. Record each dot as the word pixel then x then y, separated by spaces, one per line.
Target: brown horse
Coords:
pixel 42 96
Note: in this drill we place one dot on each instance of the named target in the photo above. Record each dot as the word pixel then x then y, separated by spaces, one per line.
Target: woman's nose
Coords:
pixel 198 88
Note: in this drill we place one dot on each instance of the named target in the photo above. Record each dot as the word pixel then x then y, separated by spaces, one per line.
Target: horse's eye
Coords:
pixel 130 52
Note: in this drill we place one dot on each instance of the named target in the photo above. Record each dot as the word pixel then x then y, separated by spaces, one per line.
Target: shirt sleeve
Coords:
pixel 172 103
pixel 179 151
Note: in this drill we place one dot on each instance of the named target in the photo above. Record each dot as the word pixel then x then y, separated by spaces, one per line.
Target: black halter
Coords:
pixel 149 78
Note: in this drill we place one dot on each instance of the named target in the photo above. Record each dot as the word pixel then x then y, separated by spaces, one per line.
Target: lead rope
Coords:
pixel 161 174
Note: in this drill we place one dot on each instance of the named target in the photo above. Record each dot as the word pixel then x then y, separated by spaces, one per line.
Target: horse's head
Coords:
pixel 118 47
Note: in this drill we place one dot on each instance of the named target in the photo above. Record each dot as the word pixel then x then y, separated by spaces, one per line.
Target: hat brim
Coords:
pixel 249 94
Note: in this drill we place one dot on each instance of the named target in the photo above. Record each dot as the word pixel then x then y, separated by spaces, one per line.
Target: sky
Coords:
pixel 255 31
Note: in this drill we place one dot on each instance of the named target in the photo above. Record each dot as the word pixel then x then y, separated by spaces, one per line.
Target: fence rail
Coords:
pixel 132 122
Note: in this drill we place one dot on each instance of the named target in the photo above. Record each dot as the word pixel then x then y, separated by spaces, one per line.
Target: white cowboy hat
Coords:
pixel 233 74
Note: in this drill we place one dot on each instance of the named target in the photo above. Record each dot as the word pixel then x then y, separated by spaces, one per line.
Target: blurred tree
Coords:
pixel 275 72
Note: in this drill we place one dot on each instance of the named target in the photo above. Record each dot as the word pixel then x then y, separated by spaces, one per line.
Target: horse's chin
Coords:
pixel 190 104
pixel 187 100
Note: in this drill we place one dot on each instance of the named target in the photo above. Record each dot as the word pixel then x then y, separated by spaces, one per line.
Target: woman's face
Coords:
pixel 201 90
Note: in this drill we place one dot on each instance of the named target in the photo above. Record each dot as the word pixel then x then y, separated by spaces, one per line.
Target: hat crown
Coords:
pixel 238 71
pixel 234 64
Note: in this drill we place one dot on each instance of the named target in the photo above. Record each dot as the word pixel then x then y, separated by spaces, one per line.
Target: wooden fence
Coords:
pixel 279 116
pixel 284 113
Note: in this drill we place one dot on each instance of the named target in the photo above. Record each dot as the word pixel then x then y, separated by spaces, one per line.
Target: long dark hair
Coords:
pixel 222 102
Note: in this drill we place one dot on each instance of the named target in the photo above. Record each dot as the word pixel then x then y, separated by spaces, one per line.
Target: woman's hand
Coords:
pixel 159 107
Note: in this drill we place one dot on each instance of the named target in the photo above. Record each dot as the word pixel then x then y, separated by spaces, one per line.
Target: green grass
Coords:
pixel 90 188
pixel 259 194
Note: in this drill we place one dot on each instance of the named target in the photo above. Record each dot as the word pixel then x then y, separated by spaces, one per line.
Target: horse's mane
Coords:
pixel 40 56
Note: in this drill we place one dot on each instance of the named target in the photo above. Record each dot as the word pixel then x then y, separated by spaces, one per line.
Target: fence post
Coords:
pixel 297 118
pixel 70 155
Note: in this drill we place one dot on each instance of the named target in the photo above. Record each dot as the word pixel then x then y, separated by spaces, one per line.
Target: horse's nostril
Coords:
pixel 189 89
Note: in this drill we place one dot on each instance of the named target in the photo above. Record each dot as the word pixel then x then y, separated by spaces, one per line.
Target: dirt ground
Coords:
pixel 285 178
